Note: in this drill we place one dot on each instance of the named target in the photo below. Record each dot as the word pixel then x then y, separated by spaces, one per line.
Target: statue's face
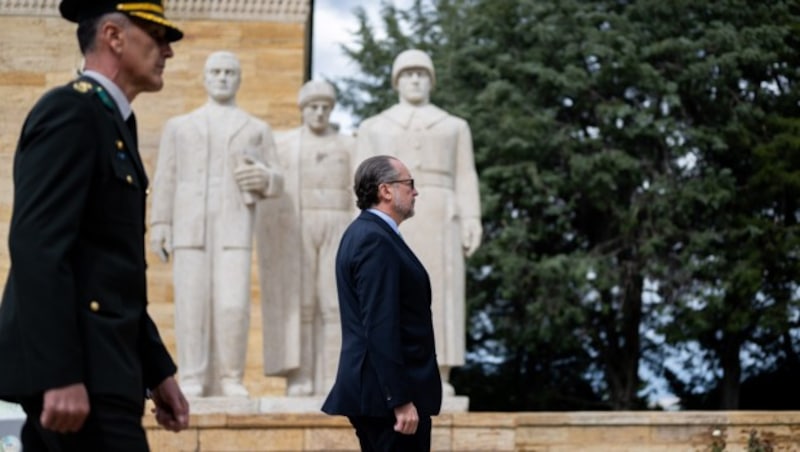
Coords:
pixel 222 77
pixel 317 114
pixel 414 85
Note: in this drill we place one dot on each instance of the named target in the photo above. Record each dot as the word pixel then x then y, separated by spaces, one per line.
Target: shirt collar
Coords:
pixel 385 218
pixel 113 90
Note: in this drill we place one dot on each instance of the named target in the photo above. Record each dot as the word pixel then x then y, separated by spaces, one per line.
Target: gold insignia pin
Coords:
pixel 119 144
pixel 82 86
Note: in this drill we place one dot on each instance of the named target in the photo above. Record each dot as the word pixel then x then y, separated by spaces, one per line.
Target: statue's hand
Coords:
pixel 251 175
pixel 471 233
pixel 161 240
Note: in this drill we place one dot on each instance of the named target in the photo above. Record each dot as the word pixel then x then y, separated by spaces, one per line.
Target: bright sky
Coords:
pixel 334 25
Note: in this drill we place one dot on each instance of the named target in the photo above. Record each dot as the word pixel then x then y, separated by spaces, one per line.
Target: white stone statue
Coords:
pixel 437 148
pixel 214 163
pixel 298 235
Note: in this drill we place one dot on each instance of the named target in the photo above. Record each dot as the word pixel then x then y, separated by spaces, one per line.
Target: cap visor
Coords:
pixel 173 33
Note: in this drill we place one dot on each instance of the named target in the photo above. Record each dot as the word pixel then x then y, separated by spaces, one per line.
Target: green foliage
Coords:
pixel 640 173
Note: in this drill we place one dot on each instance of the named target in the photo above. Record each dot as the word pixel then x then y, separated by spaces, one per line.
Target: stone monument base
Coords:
pixel 274 405
pixel 615 431
pixel 225 405
pixel 11 419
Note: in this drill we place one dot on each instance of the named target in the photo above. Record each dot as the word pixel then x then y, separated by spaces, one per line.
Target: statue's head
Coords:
pixel 316 101
pixel 316 90
pixel 412 59
pixel 222 76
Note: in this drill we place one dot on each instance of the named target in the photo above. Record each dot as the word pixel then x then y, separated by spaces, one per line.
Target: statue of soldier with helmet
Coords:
pixel 298 236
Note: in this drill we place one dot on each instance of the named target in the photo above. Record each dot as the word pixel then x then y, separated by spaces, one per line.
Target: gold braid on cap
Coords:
pixel 152 18
pixel 140 7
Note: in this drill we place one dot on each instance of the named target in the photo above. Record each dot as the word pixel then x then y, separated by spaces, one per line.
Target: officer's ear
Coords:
pixel 111 34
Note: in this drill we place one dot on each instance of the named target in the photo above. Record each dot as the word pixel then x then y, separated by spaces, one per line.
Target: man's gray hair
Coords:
pixel 371 173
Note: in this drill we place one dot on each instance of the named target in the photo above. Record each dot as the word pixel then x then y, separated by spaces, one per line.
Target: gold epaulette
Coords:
pixel 82 86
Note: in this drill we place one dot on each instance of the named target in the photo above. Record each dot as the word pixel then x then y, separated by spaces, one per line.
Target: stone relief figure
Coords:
pixel 437 147
pixel 298 235
pixel 213 164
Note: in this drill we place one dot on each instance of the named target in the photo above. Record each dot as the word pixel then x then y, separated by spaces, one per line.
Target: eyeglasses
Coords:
pixel 409 182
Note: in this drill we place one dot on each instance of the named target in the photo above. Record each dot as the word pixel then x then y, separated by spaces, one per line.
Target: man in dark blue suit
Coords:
pixel 388 382
pixel 79 348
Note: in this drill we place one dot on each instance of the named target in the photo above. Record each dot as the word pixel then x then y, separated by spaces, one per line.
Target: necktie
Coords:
pixel 131 123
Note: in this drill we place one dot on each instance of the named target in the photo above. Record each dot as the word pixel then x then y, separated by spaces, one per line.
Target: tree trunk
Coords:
pixel 731 372
pixel 623 368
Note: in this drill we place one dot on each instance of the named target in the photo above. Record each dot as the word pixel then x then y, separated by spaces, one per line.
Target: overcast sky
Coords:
pixel 334 25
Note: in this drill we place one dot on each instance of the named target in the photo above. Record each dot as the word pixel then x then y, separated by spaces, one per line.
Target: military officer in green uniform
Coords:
pixel 79 350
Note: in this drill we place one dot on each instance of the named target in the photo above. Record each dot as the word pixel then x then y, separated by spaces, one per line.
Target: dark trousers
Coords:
pixel 376 434
pixel 112 425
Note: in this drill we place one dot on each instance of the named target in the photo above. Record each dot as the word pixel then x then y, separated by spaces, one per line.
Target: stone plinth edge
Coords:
pixel 227 405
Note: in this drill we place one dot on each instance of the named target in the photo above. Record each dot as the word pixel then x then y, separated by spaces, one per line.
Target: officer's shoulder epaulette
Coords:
pixel 84 86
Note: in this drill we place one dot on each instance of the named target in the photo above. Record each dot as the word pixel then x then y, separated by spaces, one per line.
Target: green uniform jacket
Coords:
pixel 74 306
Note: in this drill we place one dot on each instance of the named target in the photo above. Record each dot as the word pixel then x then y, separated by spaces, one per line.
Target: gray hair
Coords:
pixel 371 173
pixel 88 28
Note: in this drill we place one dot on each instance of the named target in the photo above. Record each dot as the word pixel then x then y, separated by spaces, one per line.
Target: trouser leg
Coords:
pixel 300 382
pixel 192 290
pixel 331 330
pixel 231 311
pixel 376 434
pixel 113 424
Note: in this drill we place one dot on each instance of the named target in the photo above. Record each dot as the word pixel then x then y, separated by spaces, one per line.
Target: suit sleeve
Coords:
pixel 157 364
pixel 377 279
pixel 466 178
pixel 269 156
pixel 164 179
pixel 52 173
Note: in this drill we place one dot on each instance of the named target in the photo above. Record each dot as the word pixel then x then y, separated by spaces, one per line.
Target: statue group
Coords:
pixel 224 181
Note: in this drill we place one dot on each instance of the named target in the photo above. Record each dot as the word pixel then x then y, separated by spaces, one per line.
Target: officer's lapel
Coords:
pixel 127 137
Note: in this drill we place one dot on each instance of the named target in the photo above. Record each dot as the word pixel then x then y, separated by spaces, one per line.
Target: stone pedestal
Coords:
pixel 276 405
pixel 223 405
pixel 11 419
pixel 313 404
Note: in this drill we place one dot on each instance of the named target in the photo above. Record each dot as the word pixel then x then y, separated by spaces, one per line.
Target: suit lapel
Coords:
pixel 394 236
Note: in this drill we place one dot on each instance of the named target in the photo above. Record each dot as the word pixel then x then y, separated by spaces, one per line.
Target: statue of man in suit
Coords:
pixel 213 164
pixel 297 236
pixel 437 147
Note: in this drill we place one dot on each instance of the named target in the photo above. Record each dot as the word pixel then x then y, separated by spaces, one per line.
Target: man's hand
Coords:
pixel 406 418
pixel 171 408
pixel 471 235
pixel 65 409
pixel 161 240
pixel 251 175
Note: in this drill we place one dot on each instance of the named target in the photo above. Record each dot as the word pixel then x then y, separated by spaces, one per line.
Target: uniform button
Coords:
pixel 119 144
pixel 94 306
pixel 129 178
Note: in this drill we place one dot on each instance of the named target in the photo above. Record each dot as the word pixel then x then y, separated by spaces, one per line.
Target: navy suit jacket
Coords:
pixel 74 306
pixel 388 356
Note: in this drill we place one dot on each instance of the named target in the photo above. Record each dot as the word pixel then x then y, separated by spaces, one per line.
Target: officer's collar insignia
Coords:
pixel 104 97
pixel 82 86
